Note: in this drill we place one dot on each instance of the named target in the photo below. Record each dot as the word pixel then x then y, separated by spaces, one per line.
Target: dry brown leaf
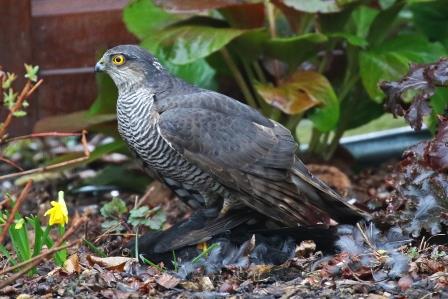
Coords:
pixel 71 265
pixel 168 281
pixel 206 284
pixel 112 263
pixel 305 248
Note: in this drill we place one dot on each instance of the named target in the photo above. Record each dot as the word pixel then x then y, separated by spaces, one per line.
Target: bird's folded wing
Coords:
pixel 252 157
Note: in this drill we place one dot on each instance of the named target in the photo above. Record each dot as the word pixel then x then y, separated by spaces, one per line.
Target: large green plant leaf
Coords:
pixel 200 5
pixel 361 19
pixel 391 60
pixel 72 122
pixel 188 43
pixel 294 50
pixel 315 6
pixel 198 72
pixel 300 92
pixel 384 22
pixel 143 17
pixel 432 19
pixel 106 99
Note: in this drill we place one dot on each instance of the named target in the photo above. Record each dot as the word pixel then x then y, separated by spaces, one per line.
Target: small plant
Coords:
pixel 16 102
pixel 151 218
pixel 20 231
pixel 113 211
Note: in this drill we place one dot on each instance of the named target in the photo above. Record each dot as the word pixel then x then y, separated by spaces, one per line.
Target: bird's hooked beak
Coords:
pixel 99 66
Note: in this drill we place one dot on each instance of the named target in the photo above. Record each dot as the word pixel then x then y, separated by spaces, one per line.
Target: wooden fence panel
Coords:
pixel 63 37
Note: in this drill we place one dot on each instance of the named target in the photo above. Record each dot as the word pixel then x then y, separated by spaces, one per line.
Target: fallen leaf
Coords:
pixel 206 284
pixel 405 282
pixel 112 263
pixel 71 265
pixel 305 248
pixel 168 281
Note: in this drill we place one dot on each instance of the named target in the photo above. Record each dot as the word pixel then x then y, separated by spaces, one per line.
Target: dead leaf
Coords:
pixel 71 265
pixel 112 263
pixel 405 282
pixel 305 248
pixel 206 284
pixel 298 93
pixel 168 281
pixel 190 285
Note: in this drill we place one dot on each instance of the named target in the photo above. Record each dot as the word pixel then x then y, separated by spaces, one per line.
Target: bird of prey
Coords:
pixel 213 151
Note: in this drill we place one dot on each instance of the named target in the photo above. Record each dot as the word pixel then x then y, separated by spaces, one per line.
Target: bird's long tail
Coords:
pixel 324 198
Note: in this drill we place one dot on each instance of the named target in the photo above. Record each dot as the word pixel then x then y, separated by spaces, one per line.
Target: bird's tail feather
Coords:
pixel 324 198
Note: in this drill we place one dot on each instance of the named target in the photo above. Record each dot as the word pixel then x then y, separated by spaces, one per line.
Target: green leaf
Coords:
pixel 361 109
pixel 294 50
pixel 19 113
pixel 115 208
pixel 188 43
pixel 318 6
pixel 335 22
pixel 199 72
pixel 432 19
pixel 6 253
pixel 112 225
pixel 138 212
pixel 72 122
pixel 122 178
pixel 350 38
pixel 99 152
pixel 384 23
pixel 156 222
pixel 10 78
pixel 106 100
pixel 38 235
pixel 96 250
pixel 361 20
pixel 391 60
pixel 143 17
pixel 31 72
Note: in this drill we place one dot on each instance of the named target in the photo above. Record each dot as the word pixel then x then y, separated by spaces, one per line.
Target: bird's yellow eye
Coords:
pixel 118 59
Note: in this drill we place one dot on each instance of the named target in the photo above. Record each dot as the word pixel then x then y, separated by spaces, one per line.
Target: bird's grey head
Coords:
pixel 129 65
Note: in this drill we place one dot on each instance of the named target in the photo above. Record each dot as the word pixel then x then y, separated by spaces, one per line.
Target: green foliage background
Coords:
pixel 268 48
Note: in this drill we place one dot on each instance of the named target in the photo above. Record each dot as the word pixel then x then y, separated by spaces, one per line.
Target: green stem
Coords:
pixel 238 78
pixel 327 57
pixel 314 141
pixel 293 121
pixel 259 72
pixel 63 252
pixel 275 114
pixel 265 107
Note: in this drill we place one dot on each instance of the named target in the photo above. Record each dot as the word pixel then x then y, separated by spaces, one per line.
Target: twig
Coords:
pixel 77 221
pixel 37 257
pixel 43 134
pixel 365 237
pixel 54 166
pixel 4 201
pixel 14 210
pixel 11 163
pixel 26 92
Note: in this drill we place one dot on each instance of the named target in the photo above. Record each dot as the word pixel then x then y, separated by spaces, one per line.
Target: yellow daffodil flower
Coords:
pixel 58 213
pixel 19 223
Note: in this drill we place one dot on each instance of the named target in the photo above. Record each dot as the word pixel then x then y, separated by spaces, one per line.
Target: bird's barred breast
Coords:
pixel 137 126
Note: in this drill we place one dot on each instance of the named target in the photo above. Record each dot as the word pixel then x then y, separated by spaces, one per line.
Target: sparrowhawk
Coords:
pixel 213 151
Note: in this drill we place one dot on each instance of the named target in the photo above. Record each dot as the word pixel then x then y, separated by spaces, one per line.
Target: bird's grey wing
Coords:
pixel 256 159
